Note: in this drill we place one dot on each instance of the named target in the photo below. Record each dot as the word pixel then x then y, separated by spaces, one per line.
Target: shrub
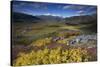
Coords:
pixel 42 42
pixel 64 41
pixel 52 56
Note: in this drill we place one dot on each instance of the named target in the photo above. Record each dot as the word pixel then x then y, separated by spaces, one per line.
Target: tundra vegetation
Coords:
pixel 53 42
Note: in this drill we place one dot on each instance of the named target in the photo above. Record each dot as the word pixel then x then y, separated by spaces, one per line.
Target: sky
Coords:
pixel 54 9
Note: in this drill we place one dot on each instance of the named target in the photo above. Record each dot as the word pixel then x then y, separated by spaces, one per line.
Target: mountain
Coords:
pixel 74 20
pixel 21 17
pixel 50 18
pixel 85 19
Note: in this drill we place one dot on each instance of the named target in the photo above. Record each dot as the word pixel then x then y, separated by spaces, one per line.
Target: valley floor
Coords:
pixel 53 44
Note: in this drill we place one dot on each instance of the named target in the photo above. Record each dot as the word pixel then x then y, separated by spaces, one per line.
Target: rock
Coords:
pixel 83 39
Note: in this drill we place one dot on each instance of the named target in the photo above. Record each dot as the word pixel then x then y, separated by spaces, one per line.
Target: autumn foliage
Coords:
pixel 54 56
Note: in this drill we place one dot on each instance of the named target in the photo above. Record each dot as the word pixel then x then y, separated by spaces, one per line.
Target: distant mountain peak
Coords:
pixel 22 17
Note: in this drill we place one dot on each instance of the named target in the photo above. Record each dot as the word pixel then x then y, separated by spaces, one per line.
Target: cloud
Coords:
pixel 81 12
pixel 88 10
pixel 66 7
pixel 92 8
pixel 47 14
pixel 15 5
pixel 30 4
pixel 51 14
pixel 38 6
pixel 77 7
pixel 35 5
pixel 20 4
